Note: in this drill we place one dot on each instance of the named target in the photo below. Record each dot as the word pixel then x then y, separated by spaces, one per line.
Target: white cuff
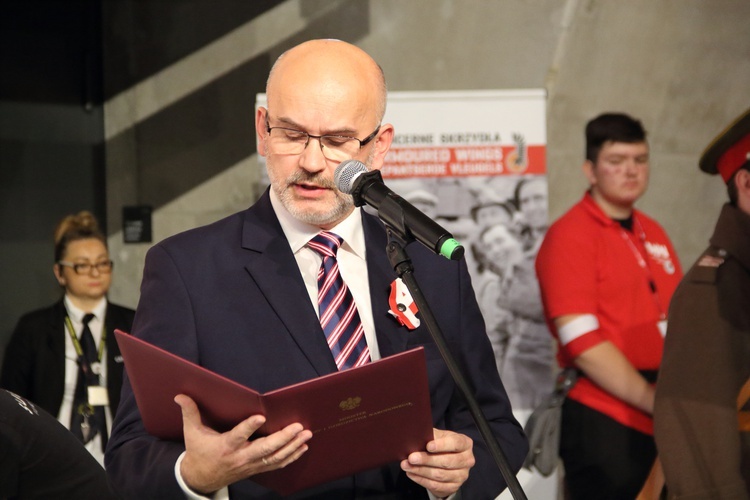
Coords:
pixel 222 494
pixel 449 497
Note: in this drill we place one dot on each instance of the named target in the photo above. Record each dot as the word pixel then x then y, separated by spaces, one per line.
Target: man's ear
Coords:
pixel 382 146
pixel 742 183
pixel 588 170
pixel 260 130
pixel 742 180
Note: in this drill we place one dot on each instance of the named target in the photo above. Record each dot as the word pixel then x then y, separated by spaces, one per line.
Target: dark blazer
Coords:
pixel 41 459
pixel 34 363
pixel 230 297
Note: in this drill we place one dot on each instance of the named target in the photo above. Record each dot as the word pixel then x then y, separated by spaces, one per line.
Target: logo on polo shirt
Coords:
pixel 660 253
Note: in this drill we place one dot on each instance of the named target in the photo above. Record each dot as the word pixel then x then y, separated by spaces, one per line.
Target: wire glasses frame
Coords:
pixel 334 147
pixel 103 267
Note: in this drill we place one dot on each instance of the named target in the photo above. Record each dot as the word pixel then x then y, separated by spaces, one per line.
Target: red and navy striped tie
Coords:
pixel 338 312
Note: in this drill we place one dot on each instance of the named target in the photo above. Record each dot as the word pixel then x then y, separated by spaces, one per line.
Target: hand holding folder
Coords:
pixel 363 417
pixel 239 456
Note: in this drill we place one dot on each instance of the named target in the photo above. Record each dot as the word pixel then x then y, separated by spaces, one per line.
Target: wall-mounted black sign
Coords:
pixel 136 224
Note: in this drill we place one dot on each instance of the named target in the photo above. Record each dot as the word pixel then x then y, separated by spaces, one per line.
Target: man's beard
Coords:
pixel 343 203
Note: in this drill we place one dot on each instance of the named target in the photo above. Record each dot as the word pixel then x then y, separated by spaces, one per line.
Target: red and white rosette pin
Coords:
pixel 402 305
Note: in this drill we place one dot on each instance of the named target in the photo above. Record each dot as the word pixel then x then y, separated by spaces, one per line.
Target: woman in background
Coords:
pixel 64 357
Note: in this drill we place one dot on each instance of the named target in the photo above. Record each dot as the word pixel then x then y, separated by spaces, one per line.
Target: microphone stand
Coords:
pixel 398 238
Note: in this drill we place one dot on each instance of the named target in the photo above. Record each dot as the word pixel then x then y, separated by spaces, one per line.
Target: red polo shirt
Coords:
pixel 589 264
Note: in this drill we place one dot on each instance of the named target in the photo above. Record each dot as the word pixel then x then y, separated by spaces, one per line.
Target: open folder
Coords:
pixel 361 418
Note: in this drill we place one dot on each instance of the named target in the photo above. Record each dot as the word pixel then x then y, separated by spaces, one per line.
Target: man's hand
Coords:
pixel 213 460
pixel 444 467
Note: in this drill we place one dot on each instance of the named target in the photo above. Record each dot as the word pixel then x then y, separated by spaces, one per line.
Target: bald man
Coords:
pixel 250 312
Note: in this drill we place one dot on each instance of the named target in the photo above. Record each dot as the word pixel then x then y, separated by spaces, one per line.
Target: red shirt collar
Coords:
pixel 597 213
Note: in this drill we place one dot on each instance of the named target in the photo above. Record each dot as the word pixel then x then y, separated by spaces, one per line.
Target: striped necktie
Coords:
pixel 338 312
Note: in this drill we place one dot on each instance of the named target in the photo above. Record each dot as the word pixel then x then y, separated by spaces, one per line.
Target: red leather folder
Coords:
pixel 361 418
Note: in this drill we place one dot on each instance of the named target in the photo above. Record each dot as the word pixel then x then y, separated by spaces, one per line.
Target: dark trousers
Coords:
pixel 603 459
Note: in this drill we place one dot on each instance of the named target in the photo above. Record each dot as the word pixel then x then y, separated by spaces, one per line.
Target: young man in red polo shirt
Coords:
pixel 607 272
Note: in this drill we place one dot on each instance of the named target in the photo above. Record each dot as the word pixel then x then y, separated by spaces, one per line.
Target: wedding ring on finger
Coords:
pixel 265 462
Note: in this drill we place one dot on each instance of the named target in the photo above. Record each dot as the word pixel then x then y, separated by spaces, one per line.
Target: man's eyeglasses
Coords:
pixel 289 141
pixel 104 267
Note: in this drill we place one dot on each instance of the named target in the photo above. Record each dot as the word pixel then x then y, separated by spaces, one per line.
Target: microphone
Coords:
pixel 367 187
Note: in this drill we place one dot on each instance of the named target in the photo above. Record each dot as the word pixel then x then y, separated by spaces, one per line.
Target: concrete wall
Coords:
pixel 681 66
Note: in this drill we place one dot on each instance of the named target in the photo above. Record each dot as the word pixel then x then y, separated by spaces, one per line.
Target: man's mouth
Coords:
pixel 303 189
pixel 310 187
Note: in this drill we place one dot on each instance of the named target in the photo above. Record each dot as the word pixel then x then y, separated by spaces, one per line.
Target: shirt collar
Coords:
pixel 77 314
pixel 298 233
pixel 596 211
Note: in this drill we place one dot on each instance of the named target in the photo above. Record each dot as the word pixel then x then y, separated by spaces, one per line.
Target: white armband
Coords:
pixel 580 326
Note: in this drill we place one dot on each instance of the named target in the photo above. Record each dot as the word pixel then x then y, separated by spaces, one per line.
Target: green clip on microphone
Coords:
pixel 367 187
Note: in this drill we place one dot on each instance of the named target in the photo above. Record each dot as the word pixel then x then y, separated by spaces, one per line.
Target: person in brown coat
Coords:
pixel 703 444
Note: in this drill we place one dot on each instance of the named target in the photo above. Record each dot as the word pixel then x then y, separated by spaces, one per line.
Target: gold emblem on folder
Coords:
pixel 350 403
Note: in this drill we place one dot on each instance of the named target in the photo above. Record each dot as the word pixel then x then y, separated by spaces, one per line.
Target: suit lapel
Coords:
pixel 114 318
pixel 272 266
pixel 392 337
pixel 56 343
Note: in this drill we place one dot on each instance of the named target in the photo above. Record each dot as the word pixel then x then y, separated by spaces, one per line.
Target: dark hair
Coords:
pixel 732 187
pixel 611 127
pixel 80 226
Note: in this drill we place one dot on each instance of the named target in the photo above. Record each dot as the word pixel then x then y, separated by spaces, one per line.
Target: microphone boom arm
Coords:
pixel 399 259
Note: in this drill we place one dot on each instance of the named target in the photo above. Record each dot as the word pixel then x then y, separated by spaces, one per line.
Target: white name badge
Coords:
pixel 662 327
pixel 98 395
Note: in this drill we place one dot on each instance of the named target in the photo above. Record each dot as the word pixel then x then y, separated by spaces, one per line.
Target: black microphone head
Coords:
pixel 346 173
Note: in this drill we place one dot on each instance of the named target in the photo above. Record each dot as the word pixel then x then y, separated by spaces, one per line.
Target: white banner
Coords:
pixel 475 161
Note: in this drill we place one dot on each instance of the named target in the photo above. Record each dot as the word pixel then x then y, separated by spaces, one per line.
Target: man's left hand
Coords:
pixel 444 467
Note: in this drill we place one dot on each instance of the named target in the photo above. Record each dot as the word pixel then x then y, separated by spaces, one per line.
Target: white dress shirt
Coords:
pixel 351 258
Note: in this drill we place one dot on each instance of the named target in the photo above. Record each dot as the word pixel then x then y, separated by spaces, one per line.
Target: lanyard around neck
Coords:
pixel 77 343
pixel 642 263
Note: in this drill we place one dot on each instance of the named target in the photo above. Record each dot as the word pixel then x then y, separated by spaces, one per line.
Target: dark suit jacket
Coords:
pixel 230 297
pixel 34 364
pixel 41 459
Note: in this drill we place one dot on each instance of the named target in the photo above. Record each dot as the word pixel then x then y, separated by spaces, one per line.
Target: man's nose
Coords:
pixel 631 167
pixel 312 159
